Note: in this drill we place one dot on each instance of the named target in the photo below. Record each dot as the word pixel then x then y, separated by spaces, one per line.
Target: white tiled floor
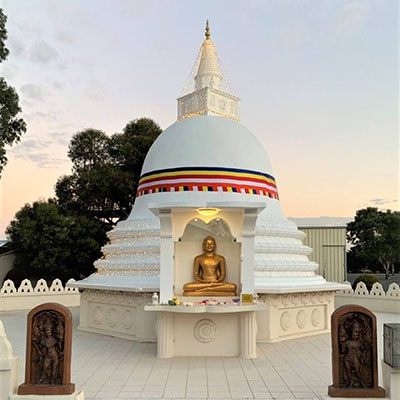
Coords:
pixel 110 368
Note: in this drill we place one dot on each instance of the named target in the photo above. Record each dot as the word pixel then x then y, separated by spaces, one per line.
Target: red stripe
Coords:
pixel 265 185
pixel 239 178
pixel 225 189
pixel 214 186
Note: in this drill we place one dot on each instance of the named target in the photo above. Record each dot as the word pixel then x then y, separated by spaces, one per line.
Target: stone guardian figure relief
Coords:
pixel 48 351
pixel 354 353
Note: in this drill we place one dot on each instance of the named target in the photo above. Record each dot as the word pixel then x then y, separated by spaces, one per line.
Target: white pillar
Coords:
pixel 166 257
pixel 9 367
pixel 165 335
pixel 248 334
pixel 391 381
pixel 248 232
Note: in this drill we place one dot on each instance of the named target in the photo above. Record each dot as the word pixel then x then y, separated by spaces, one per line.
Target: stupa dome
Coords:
pixel 206 156
pixel 207 141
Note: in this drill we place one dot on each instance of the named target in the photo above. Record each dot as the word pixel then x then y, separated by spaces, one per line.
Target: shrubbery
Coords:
pixel 369 280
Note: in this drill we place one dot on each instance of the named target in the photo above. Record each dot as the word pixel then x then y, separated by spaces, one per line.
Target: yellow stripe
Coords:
pixel 205 189
pixel 206 173
pixel 181 188
pixel 229 189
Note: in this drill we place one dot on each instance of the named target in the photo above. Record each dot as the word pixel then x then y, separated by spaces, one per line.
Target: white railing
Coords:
pixel 375 300
pixel 26 296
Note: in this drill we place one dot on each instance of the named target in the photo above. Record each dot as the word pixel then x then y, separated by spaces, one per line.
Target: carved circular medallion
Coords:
pixel 129 298
pixel 127 319
pixel 286 321
pixel 111 297
pixel 140 299
pixel 97 315
pixel 301 319
pixel 316 317
pixel 111 317
pixel 101 295
pixel 205 330
pixel 120 298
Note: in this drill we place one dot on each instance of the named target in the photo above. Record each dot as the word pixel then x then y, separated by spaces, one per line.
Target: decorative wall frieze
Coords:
pixel 41 286
pixel 297 299
pixel 377 290
pixel 116 297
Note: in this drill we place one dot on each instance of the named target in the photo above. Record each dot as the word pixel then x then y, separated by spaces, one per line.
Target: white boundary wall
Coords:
pixel 376 300
pixel 27 296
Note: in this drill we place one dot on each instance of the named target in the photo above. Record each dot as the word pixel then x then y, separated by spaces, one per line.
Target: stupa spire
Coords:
pixel 208 90
pixel 208 74
pixel 207 30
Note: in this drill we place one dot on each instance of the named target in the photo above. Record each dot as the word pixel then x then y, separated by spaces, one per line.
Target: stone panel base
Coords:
pixel 53 390
pixel 117 313
pixel 373 393
pixel 293 315
pixel 74 396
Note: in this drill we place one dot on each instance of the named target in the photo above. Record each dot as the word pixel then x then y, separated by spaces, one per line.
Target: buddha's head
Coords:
pixel 209 244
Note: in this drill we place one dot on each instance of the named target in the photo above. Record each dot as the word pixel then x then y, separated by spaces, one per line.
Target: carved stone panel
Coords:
pixel 48 351
pixel 354 353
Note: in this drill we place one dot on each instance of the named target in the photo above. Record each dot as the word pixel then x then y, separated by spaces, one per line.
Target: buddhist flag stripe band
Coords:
pixel 208 180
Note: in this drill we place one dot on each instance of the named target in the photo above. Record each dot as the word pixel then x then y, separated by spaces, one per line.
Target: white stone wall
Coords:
pixel 376 300
pixel 26 296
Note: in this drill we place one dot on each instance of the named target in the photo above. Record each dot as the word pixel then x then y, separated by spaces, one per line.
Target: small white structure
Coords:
pixel 9 367
pixel 206 159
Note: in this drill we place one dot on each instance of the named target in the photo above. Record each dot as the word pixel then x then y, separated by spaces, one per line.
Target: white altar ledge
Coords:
pixel 209 330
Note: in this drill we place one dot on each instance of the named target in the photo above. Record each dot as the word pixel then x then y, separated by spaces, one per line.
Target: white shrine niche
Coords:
pixel 190 245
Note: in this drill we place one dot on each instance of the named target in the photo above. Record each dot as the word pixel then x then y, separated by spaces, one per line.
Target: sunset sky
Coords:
pixel 318 82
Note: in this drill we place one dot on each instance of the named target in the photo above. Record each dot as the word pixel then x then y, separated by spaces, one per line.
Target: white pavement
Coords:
pixel 111 368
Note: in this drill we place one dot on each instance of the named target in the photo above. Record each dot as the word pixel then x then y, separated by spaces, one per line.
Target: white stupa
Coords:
pixel 204 159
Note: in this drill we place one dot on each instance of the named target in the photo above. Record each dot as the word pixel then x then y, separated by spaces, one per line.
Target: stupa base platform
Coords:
pixel 210 293
pixel 361 393
pixel 117 313
pixel 293 315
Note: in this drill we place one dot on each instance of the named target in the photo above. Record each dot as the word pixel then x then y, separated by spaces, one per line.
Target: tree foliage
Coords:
pixel 51 244
pixel 369 281
pixel 375 236
pixel 11 126
pixel 61 238
pixel 106 171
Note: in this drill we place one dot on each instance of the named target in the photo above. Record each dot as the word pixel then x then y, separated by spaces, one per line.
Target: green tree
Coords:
pixel 375 236
pixel 11 127
pixel 106 171
pixel 51 244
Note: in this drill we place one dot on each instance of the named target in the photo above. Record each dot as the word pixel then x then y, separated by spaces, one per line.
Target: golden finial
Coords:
pixel 207 30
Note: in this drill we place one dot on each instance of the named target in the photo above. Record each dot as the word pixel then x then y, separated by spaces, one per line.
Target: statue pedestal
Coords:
pixel 224 331
pixel 79 395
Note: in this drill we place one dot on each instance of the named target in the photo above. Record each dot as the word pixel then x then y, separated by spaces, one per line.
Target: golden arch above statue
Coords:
pixel 209 273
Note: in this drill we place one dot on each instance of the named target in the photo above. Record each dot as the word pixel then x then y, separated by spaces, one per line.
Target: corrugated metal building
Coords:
pixel 329 250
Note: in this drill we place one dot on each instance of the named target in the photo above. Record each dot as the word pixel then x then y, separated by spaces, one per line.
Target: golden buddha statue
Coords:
pixel 209 274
